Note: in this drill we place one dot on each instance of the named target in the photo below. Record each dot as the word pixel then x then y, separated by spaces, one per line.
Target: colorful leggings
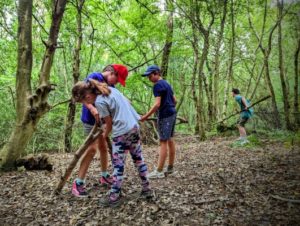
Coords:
pixel 121 145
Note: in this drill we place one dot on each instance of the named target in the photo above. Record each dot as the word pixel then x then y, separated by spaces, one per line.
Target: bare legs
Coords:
pixel 242 131
pixel 163 152
pixel 100 144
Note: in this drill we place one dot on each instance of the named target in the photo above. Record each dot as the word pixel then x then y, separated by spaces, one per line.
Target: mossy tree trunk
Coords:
pixel 30 108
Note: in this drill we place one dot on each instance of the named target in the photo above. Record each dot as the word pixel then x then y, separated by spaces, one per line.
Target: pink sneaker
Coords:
pixel 106 181
pixel 79 190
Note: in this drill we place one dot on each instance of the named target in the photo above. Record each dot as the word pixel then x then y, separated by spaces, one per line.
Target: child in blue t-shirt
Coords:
pixel 245 115
pixel 112 74
pixel 165 105
pixel 122 121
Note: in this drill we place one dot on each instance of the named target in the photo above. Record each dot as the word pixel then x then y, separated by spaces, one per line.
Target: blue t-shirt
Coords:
pixel 244 114
pixel 86 115
pixel 167 106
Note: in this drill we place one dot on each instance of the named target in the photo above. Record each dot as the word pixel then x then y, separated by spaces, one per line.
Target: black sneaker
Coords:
pixel 148 194
pixel 169 170
pixel 107 202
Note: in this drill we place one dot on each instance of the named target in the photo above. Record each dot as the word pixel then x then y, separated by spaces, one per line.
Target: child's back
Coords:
pixel 124 117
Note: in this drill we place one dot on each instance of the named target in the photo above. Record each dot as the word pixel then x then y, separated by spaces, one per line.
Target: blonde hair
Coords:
pixel 80 89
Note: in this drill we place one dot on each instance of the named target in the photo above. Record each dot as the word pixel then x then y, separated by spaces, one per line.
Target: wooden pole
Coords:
pixel 95 132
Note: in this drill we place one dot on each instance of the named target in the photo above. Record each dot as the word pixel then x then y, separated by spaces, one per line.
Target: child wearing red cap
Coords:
pixel 112 74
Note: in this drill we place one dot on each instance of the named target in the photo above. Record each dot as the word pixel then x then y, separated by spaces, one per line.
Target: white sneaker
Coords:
pixel 240 139
pixel 156 174
pixel 245 141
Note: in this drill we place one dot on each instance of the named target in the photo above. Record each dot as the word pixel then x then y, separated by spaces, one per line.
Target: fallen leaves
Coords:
pixel 213 183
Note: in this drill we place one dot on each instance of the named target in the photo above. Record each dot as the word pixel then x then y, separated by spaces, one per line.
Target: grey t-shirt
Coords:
pixel 124 117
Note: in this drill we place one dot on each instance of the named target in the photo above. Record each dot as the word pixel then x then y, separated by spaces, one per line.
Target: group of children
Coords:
pixel 104 104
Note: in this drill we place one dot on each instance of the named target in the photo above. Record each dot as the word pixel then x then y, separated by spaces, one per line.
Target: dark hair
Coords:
pixel 235 91
pixel 110 68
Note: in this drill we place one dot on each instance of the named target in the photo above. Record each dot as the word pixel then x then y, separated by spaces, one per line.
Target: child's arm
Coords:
pixel 174 99
pixel 245 103
pixel 152 110
pixel 93 110
pixel 108 128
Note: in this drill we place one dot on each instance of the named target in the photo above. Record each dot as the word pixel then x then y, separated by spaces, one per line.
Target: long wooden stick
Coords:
pixel 286 200
pixel 236 113
pixel 95 132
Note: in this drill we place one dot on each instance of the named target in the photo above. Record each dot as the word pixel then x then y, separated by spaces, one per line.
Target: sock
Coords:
pixel 170 167
pixel 159 170
pixel 79 181
pixel 104 174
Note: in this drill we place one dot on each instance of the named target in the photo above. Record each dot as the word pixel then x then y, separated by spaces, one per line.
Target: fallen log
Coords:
pixel 95 132
pixel 39 162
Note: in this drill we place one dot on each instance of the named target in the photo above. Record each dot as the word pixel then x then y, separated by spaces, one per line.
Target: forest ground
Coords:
pixel 215 183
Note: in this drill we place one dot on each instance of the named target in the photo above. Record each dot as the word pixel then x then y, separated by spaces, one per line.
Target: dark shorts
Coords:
pixel 166 127
pixel 242 121
pixel 87 128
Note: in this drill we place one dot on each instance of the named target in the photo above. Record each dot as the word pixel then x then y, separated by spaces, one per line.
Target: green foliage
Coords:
pixel 132 33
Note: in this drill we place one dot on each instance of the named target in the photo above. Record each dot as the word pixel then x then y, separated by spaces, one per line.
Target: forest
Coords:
pixel 205 50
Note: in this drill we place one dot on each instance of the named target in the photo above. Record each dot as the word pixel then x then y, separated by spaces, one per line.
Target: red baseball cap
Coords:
pixel 122 73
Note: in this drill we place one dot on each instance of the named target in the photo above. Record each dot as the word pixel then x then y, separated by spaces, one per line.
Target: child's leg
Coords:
pixel 120 149
pixel 171 145
pixel 162 155
pixel 103 153
pixel 86 160
pixel 242 131
pixel 166 131
pixel 241 126
pixel 137 157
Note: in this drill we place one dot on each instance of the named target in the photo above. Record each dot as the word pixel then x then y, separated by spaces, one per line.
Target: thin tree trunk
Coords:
pixel 296 87
pixel 272 92
pixel 281 70
pixel 215 95
pixel 203 58
pixel 257 82
pixel 76 74
pixel 34 106
pixel 266 53
pixel 230 69
pixel 195 69
pixel 168 43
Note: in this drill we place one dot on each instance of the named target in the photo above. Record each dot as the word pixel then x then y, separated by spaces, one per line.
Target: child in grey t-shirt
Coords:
pixel 120 118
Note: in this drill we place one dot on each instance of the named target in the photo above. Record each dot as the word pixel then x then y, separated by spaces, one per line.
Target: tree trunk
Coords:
pixel 203 58
pixel 215 95
pixel 281 70
pixel 230 69
pixel 10 151
pixel 34 106
pixel 195 68
pixel 76 74
pixel 296 87
pixel 168 44
pixel 24 67
pixel 271 89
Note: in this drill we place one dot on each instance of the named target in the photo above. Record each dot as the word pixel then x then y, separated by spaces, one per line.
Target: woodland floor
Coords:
pixel 214 184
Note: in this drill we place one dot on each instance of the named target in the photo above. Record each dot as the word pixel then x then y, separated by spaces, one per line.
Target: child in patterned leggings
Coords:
pixel 122 120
